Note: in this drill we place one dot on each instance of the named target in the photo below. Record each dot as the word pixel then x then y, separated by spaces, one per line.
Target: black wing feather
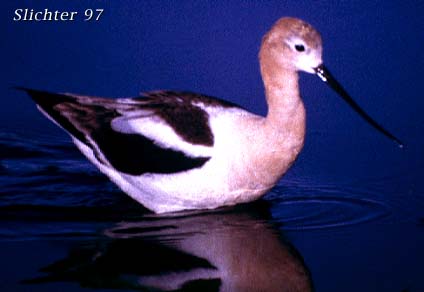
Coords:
pixel 89 120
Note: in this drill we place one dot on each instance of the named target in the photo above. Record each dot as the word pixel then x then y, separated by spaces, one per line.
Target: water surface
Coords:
pixel 65 226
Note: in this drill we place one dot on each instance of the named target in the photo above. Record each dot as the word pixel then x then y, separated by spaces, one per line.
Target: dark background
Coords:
pixel 374 48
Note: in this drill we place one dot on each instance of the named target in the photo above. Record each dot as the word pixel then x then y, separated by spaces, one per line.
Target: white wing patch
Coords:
pixel 153 127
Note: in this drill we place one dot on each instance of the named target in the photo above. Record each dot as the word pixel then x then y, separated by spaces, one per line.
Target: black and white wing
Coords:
pixel 159 132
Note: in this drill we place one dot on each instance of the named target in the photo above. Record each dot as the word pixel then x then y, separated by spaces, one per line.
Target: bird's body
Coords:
pixel 172 151
pixel 176 150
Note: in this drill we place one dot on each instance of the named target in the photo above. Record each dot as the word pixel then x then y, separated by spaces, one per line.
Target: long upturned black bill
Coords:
pixel 326 76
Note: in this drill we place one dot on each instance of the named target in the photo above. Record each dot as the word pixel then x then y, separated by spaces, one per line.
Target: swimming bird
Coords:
pixel 177 150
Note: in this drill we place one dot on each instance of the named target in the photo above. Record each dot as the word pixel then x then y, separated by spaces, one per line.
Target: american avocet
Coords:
pixel 172 150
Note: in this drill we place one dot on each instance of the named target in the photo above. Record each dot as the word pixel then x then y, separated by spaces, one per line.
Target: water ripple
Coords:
pixel 312 208
pixel 49 171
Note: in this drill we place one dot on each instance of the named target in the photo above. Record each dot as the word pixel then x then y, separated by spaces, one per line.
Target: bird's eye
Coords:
pixel 299 48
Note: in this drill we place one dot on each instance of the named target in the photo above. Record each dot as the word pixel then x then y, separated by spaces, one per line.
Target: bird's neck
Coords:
pixel 277 139
pixel 285 121
pixel 286 112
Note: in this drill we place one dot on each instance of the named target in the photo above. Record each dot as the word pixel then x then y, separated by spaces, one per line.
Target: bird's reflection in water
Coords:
pixel 235 249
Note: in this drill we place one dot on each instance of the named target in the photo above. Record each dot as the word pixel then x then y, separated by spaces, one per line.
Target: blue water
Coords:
pixel 63 225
